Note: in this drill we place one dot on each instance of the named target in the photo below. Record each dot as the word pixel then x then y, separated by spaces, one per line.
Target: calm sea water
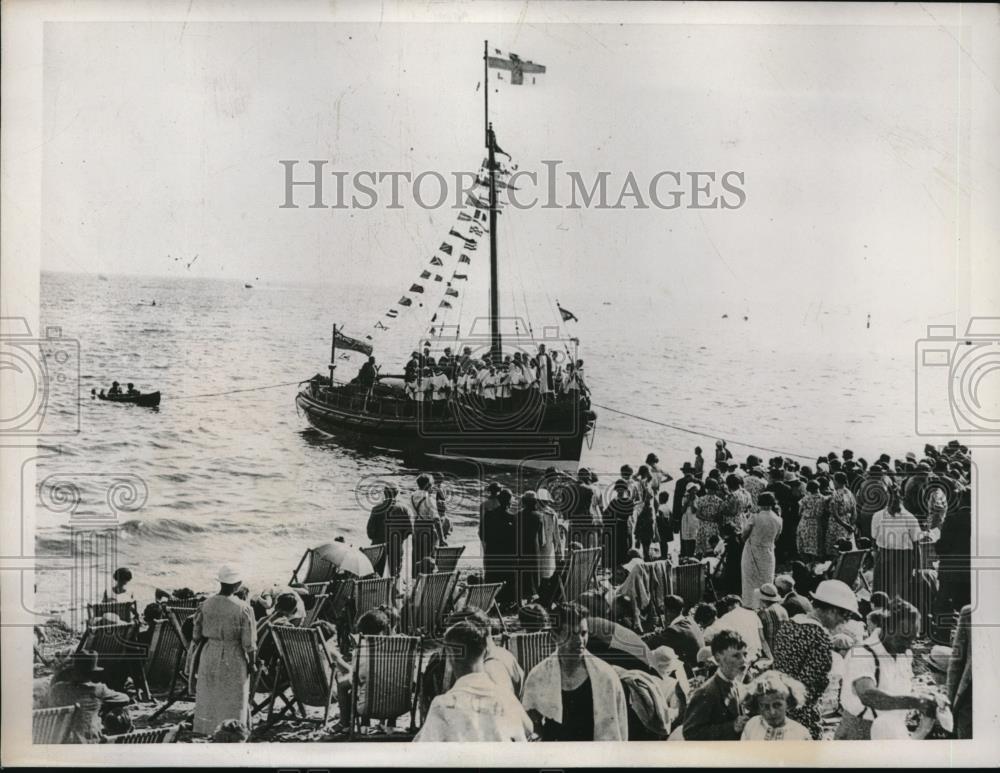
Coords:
pixel 241 478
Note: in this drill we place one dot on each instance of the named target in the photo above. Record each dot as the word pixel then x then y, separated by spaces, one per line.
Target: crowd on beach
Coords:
pixel 781 644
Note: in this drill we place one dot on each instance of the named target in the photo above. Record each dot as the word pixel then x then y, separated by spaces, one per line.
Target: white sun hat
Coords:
pixel 228 575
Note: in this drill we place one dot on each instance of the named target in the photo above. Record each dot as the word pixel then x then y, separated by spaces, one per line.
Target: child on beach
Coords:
pixel 769 697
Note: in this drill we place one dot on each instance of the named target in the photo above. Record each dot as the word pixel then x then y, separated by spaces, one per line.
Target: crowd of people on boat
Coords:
pixel 507 383
pixel 788 640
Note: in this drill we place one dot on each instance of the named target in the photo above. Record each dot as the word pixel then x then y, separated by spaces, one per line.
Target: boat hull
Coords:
pixel 148 400
pixel 536 436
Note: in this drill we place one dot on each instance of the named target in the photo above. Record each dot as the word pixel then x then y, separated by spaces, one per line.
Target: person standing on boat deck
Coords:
pixel 224 628
pixel 412 368
pixel 115 389
pixel 366 376
pixel 490 387
pixel 544 371
pixel 442 390
pixel 427 531
pixel 506 376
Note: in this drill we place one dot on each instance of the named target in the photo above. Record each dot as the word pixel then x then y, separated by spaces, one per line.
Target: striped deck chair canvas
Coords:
pixel 117 651
pixel 149 735
pixel 166 648
pixel 304 661
pixel 377 555
pixel 319 605
pixel 316 588
pixel 51 725
pixel 580 572
pixel 688 582
pixel 430 603
pixel 178 642
pixel 446 558
pixel 184 603
pixel 389 666
pixel 848 566
pixel 369 594
pixel 318 570
pixel 530 649
pixel 482 597
pixel 126 610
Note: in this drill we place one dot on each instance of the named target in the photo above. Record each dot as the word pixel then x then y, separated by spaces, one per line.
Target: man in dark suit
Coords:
pixel 679 488
pixel 714 712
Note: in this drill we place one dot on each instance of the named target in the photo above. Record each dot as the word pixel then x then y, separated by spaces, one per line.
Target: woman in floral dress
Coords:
pixel 708 509
pixel 810 514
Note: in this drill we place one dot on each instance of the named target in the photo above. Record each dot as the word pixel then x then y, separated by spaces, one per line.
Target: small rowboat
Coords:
pixel 147 400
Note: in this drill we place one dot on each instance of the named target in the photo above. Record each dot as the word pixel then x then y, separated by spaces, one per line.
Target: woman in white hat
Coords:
pixel 225 632
pixel 803 646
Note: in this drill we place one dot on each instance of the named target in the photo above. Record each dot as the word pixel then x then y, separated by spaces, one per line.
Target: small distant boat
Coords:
pixel 145 400
pixel 248 286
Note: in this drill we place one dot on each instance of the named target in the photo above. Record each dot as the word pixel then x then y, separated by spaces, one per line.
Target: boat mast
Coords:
pixel 496 352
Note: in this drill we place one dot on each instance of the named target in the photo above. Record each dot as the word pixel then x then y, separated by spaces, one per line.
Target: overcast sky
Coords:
pixel 163 141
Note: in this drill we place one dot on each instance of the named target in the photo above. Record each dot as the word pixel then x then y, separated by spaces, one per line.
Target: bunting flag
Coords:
pixel 516 66
pixel 464 216
pixel 404 301
pixel 479 215
pixel 445 248
pixel 380 326
pixel 369 338
pixel 438 278
pixel 451 293
pixel 434 318
pixel 566 314
pixel 475 201
pixel 475 229
pixel 425 274
pixel 456 234
pixel 436 261
pixel 470 245
pixel 392 313
pixel 415 288
pixel 459 276
pixel 464 259
pixel 444 305
pixel 346 342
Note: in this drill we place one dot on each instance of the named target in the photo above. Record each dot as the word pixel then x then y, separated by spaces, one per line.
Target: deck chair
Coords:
pixel 117 650
pixel 847 567
pixel 51 725
pixel 150 735
pixel 165 646
pixel 318 570
pixel 377 555
pixel 174 641
pixel 530 649
pixel 425 611
pixel 688 582
pixel 126 610
pixel 484 597
pixel 446 558
pixel 579 574
pixel 390 666
pixel 316 588
pixel 184 603
pixel 309 670
pixel 319 604
pixel 369 594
